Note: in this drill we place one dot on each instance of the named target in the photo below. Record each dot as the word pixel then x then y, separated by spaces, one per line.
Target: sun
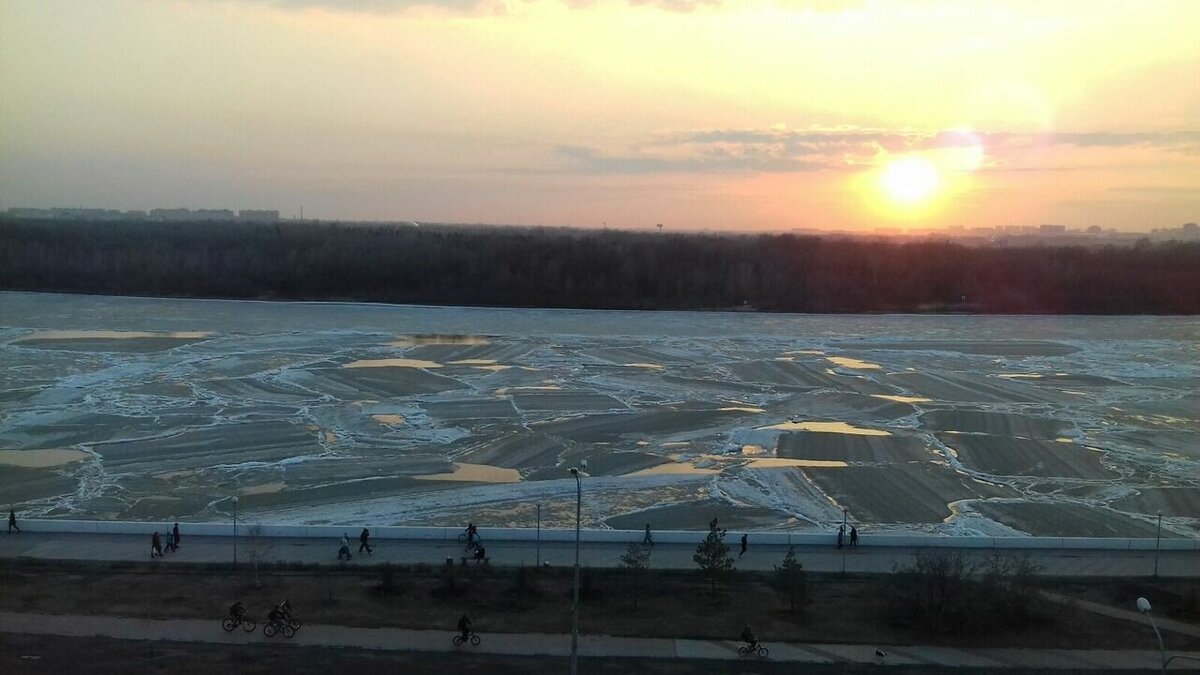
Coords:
pixel 910 180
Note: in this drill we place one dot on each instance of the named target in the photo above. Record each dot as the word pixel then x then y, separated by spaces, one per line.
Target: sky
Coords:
pixel 752 115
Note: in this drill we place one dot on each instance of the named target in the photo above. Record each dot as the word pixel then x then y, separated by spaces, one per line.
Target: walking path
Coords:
pixel 1163 623
pixel 129 547
pixel 590 646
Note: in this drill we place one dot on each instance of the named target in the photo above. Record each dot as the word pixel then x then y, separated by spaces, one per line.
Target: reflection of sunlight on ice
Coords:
pixel 747 409
pixel 828 427
pixel 783 463
pixel 856 364
pixel 40 459
pixel 674 468
pixel 392 363
pixel 264 488
pixel 390 420
pixel 1021 376
pixel 109 335
pixel 476 473
pixel 473 362
pixel 902 399
pixel 648 366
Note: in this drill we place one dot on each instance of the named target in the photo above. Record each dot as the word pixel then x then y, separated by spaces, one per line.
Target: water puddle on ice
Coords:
pixel 264 488
pixel 392 363
pixel 110 335
pixel 856 364
pixel 647 366
pixel 422 340
pixel 828 428
pixel 40 459
pixel 476 473
pixel 390 420
pixel 902 399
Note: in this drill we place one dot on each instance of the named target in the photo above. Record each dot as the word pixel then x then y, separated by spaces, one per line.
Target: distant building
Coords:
pixel 213 214
pixel 258 215
pixel 1052 229
pixel 170 214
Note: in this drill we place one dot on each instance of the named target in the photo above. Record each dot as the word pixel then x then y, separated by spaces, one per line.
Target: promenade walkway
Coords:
pixel 128 547
pixel 591 646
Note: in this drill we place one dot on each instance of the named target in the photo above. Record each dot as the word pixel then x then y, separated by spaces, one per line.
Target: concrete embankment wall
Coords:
pixel 610 536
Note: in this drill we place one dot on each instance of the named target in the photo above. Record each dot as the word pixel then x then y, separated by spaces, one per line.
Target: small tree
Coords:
pixel 714 559
pixel 635 561
pixel 260 549
pixel 790 580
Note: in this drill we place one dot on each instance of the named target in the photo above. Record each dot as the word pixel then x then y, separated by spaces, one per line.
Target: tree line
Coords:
pixel 595 269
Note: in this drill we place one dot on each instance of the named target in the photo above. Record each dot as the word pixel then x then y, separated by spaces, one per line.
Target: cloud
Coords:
pixel 779 149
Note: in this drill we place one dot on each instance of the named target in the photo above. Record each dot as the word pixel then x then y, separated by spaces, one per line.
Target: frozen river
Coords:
pixel 162 409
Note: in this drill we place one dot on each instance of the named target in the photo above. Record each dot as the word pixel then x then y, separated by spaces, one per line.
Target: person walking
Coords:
pixel 12 523
pixel 175 536
pixel 853 537
pixel 647 540
pixel 745 544
pixel 156 546
pixel 841 535
pixel 345 548
pixel 364 541
pixel 712 525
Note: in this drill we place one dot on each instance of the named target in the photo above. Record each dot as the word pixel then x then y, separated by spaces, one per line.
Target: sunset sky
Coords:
pixel 746 115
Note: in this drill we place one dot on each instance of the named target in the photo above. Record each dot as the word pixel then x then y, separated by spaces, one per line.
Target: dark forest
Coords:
pixel 520 267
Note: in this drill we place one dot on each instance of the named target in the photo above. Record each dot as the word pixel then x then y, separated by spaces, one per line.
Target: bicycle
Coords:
pixel 756 648
pixel 229 623
pixel 473 638
pixel 273 627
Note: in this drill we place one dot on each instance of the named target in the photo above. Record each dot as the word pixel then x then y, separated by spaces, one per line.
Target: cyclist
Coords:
pixel 237 611
pixel 749 638
pixel 464 626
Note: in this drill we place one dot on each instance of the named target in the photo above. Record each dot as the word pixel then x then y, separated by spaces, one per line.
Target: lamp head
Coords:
pixel 235 499
pixel 1143 605
pixel 574 471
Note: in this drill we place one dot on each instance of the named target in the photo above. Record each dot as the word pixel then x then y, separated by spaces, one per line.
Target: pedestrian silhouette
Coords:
pixel 156 546
pixel 345 548
pixel 745 544
pixel 364 541
pixel 175 535
pixel 853 537
pixel 841 534
pixel 712 525
pixel 12 523
pixel 647 540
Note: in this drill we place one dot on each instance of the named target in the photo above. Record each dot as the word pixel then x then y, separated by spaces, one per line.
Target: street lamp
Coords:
pixel 577 472
pixel 537 558
pixel 235 501
pixel 842 540
pixel 1157 537
pixel 1143 606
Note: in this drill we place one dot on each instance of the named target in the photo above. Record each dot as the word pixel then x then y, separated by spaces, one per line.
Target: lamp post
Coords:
pixel 844 542
pixel 577 472
pixel 1157 537
pixel 235 501
pixel 537 561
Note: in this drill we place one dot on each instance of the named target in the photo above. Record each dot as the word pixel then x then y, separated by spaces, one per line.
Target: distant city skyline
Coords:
pixel 776 115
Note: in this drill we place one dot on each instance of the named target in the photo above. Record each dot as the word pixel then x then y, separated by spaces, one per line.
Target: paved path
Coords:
pixel 1164 624
pixel 118 547
pixel 591 646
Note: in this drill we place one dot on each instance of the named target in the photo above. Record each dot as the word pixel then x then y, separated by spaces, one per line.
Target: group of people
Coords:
pixel 474 543
pixel 364 544
pixel 279 614
pixel 156 542
pixel 841 536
